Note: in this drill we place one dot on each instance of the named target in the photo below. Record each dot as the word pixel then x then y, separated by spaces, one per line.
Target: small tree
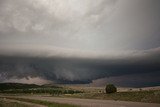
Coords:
pixel 110 88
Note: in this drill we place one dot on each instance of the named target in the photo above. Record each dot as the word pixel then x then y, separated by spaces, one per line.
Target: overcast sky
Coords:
pixel 80 41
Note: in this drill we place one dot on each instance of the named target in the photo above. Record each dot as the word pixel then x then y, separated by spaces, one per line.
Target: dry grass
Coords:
pixel 5 103
pixel 40 102
pixel 150 96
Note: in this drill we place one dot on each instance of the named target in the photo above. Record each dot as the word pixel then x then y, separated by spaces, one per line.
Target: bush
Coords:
pixel 110 88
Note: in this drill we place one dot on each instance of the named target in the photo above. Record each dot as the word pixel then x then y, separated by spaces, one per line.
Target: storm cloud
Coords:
pixel 79 70
pixel 80 41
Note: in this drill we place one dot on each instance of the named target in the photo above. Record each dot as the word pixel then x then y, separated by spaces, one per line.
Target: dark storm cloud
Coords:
pixel 78 41
pixel 79 70
pixel 148 79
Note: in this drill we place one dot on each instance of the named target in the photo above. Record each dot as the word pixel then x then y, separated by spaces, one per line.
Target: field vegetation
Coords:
pixel 4 103
pixel 40 102
pixel 148 96
pixel 139 95
pixel 17 88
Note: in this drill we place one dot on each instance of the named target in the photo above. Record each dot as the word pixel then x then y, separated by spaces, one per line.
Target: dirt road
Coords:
pixel 91 102
pixel 21 102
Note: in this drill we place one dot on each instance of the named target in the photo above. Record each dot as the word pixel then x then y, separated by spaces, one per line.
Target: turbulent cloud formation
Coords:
pixel 79 70
pixel 136 80
pixel 29 80
pixel 79 41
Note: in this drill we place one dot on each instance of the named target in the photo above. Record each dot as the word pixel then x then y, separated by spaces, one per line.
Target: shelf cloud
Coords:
pixel 80 41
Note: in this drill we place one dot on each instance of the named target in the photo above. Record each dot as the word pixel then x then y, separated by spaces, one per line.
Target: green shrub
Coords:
pixel 110 88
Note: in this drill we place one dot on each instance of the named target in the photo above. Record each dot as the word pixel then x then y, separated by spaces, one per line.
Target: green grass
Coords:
pixel 17 88
pixel 135 96
pixel 45 103
pixel 14 86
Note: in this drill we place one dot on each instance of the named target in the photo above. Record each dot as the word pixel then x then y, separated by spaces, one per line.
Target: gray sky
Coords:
pixel 110 30
pixel 101 25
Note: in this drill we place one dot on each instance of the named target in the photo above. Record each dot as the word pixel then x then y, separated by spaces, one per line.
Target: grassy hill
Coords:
pixel 8 86
pixel 13 88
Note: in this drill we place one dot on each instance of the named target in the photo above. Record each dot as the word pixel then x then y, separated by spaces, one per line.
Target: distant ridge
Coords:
pixel 7 86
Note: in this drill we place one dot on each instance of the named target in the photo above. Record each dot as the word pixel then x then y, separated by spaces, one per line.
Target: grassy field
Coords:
pixel 45 103
pixel 150 96
pixel 4 103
